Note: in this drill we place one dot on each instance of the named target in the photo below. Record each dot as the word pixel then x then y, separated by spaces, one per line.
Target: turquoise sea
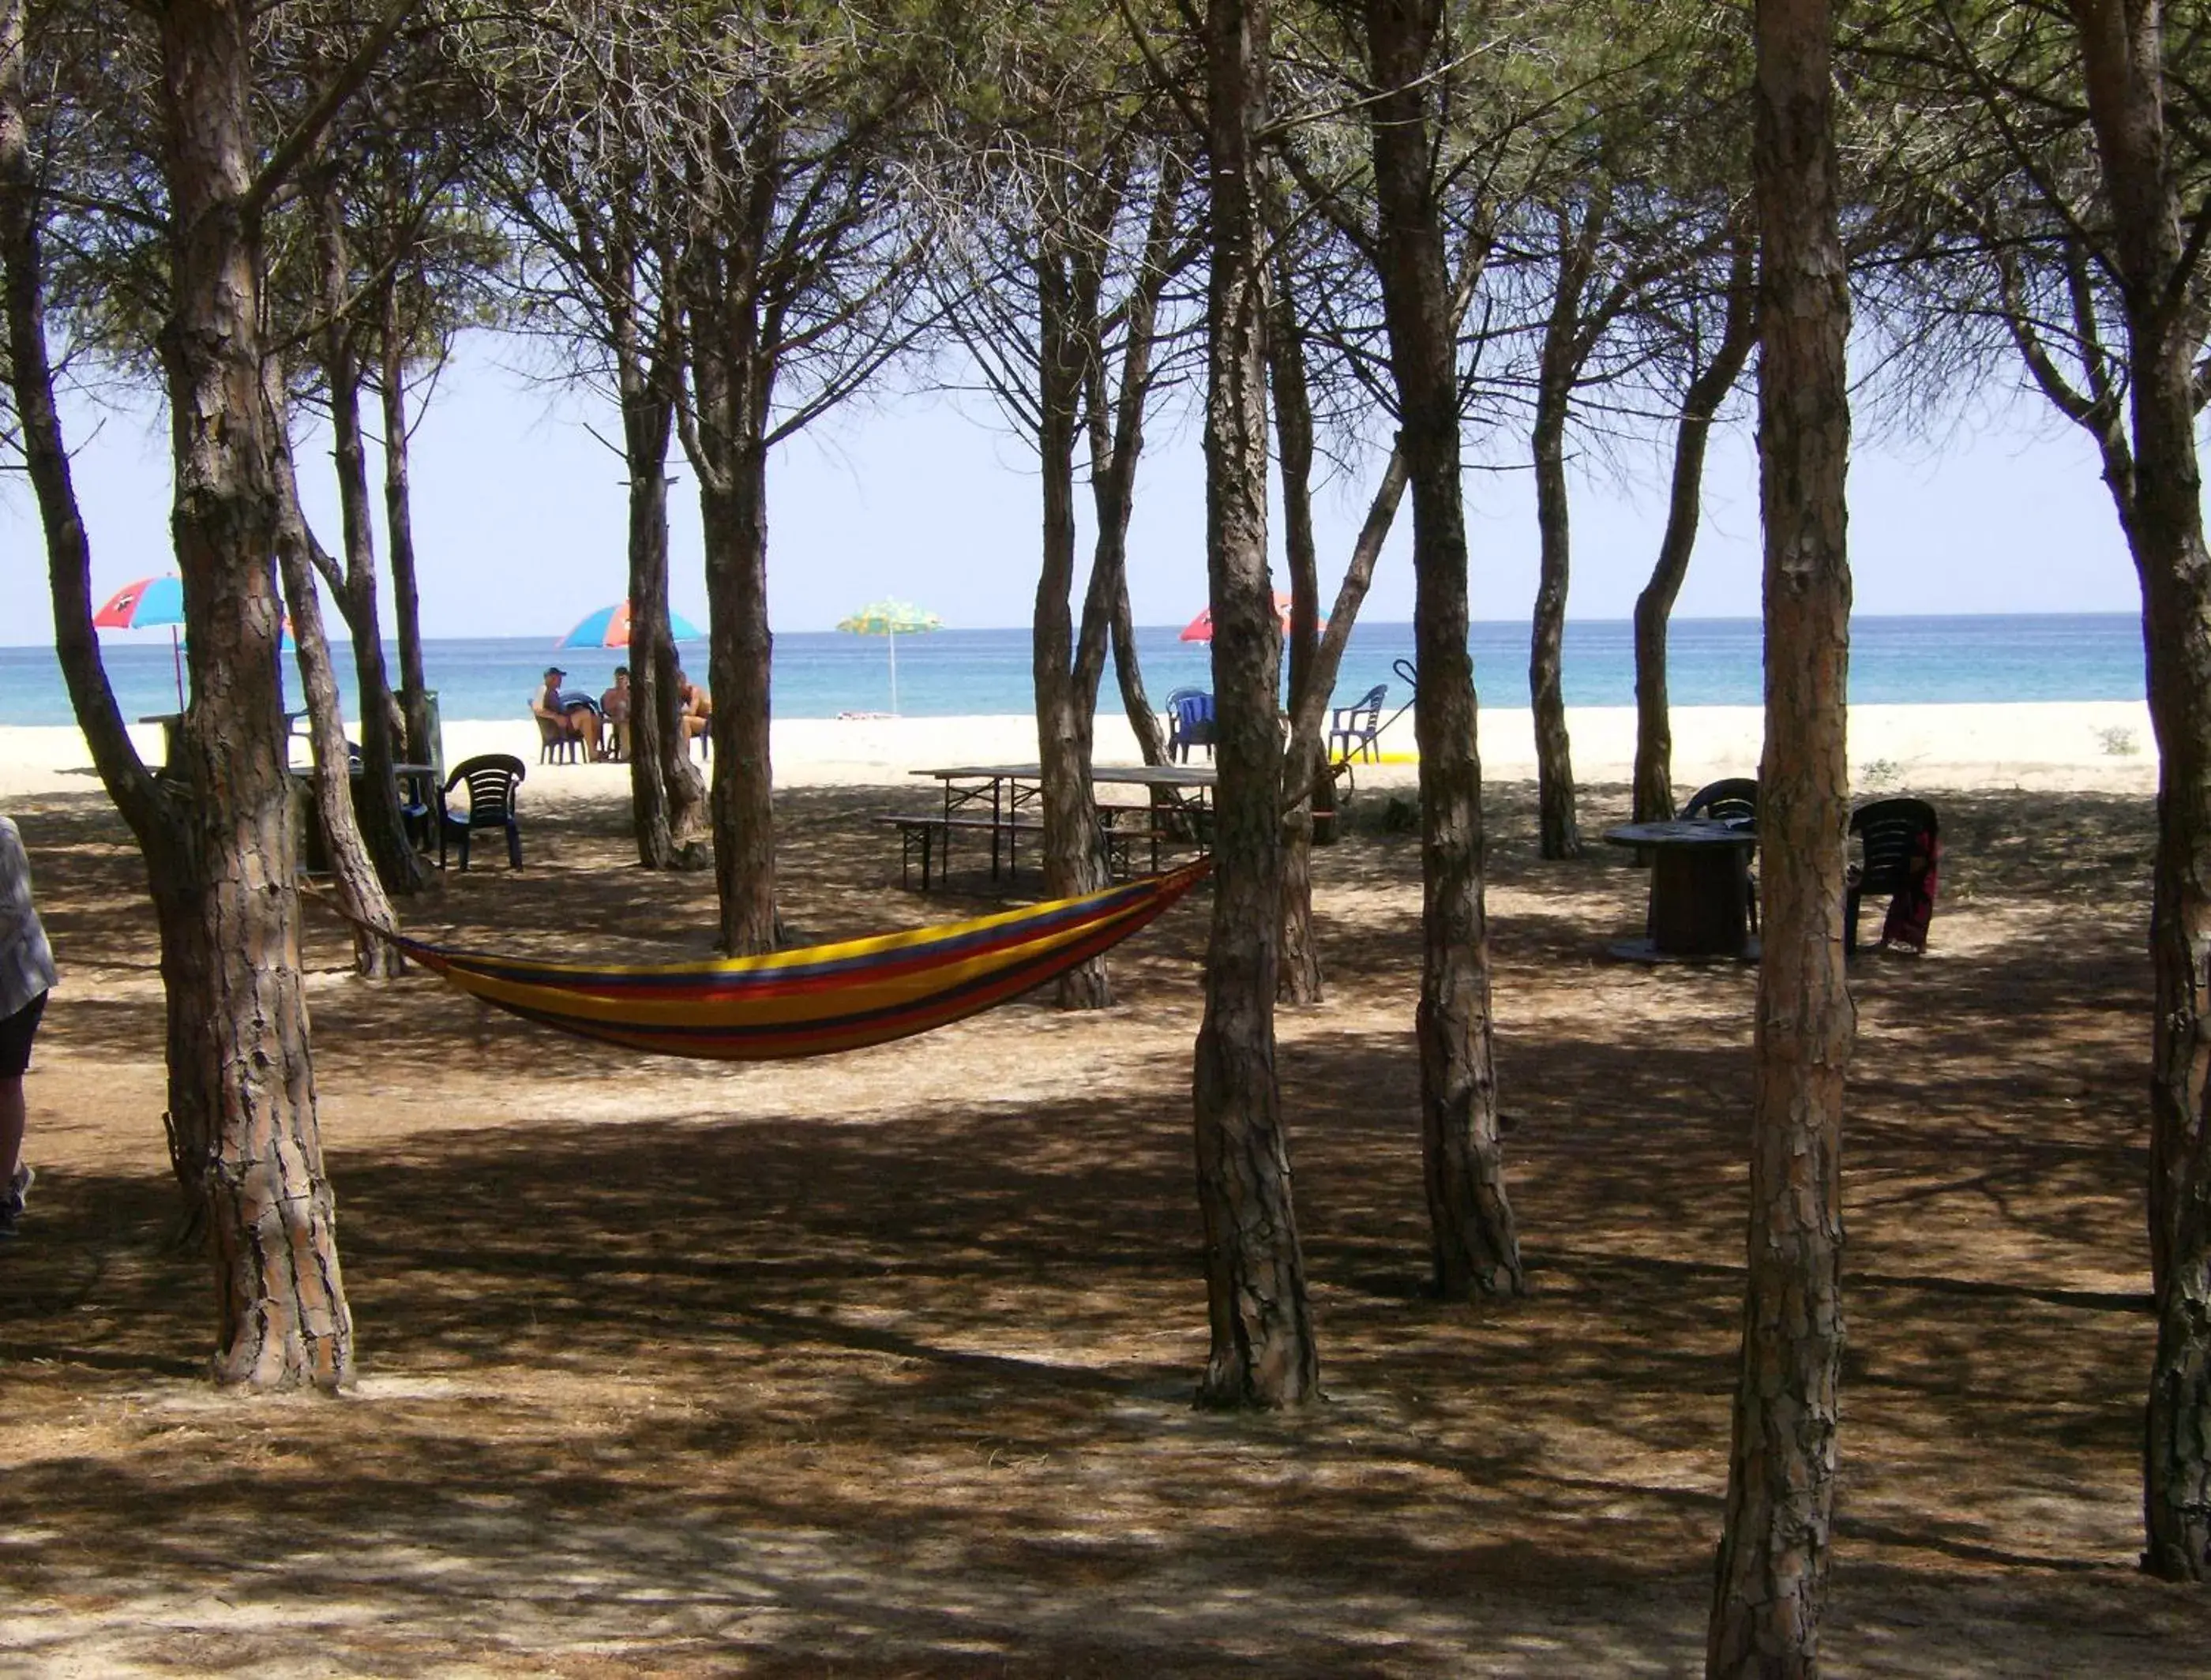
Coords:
pixel 1714 661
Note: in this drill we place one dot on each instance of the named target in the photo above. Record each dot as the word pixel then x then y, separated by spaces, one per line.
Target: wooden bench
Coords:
pixel 1123 828
pixel 929 835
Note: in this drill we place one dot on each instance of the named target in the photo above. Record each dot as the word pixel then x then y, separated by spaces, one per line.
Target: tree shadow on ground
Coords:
pixel 884 1364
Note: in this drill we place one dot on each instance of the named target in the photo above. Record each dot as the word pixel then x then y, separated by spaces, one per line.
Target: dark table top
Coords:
pixel 1681 831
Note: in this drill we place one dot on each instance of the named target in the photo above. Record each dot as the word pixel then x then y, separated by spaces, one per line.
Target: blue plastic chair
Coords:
pixel 1190 723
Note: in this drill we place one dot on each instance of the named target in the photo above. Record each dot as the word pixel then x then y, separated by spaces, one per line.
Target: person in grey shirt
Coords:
pixel 26 973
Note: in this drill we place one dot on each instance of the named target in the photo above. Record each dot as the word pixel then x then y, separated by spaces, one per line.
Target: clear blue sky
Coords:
pixel 519 518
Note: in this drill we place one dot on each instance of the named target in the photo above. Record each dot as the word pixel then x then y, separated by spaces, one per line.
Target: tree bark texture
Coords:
pixel 29 365
pixel 1298 979
pixel 1316 652
pixel 2122 57
pixel 1262 1350
pixel 1567 337
pixel 381 826
pixel 733 376
pixel 1116 444
pixel 1708 387
pixel 666 792
pixel 423 744
pixel 1771 1576
pixel 1129 677
pixel 241 1080
pixel 740 795
pixel 353 871
pixel 1064 668
pixel 733 368
pixel 1474 1245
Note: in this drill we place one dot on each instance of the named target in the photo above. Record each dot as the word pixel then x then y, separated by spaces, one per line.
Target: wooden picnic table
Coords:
pixel 1010 789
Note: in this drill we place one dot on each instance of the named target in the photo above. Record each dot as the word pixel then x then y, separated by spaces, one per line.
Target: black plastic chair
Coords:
pixel 1732 800
pixel 1190 723
pixel 1890 831
pixel 417 811
pixel 492 779
pixel 1357 726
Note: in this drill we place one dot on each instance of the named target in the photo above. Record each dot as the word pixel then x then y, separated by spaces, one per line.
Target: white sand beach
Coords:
pixel 2088 745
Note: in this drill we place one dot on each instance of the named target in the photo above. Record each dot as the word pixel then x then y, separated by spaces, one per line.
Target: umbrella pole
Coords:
pixel 893 635
pixel 177 653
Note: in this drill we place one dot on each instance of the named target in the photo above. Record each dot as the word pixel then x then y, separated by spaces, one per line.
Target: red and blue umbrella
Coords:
pixel 152 603
pixel 609 627
pixel 145 605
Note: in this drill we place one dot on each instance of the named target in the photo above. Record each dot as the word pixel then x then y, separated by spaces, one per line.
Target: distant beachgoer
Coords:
pixel 697 710
pixel 614 706
pixel 26 974
pixel 575 714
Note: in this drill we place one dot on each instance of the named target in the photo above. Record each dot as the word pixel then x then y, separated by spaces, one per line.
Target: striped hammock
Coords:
pixel 823 998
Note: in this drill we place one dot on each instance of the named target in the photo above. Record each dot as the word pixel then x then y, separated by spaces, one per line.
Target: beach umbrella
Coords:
pixel 609 627
pixel 152 603
pixel 1200 629
pixel 892 619
pixel 145 605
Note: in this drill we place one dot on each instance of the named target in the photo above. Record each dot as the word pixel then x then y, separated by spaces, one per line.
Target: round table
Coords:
pixel 1699 890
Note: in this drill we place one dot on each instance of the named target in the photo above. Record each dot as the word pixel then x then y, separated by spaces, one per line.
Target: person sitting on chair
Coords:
pixel 696 710
pixel 576 713
pixel 614 706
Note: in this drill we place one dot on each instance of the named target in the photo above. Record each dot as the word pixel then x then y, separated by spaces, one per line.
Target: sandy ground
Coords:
pixel 2101 745
pixel 882 1364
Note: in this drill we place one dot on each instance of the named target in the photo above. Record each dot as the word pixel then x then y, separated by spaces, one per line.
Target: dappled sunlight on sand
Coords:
pixel 882 1364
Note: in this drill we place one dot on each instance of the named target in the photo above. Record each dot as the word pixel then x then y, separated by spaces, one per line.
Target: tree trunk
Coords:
pixel 1771 1579
pixel 242 1127
pixel 2177 611
pixel 381 826
pixel 1568 335
pixel 241 1081
pixel 1654 607
pixel 1262 1350
pixel 1316 655
pixel 1474 1245
pixel 1558 830
pixel 29 367
pixel 1063 716
pixel 423 744
pixel 359 890
pixel 743 790
pixel 1129 676
pixel 1298 978
pixel 2123 54
pixel 666 792
pixel 1116 444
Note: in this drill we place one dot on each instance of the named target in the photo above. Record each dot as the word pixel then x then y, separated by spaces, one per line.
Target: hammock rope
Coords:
pixel 817 1000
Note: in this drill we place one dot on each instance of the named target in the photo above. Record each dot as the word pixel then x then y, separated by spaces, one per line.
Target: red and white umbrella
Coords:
pixel 1200 629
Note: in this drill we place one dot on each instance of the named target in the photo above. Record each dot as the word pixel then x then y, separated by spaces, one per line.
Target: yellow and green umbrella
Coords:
pixel 891 619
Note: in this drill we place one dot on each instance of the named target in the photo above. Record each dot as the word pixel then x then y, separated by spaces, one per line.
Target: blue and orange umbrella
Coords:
pixel 609 627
